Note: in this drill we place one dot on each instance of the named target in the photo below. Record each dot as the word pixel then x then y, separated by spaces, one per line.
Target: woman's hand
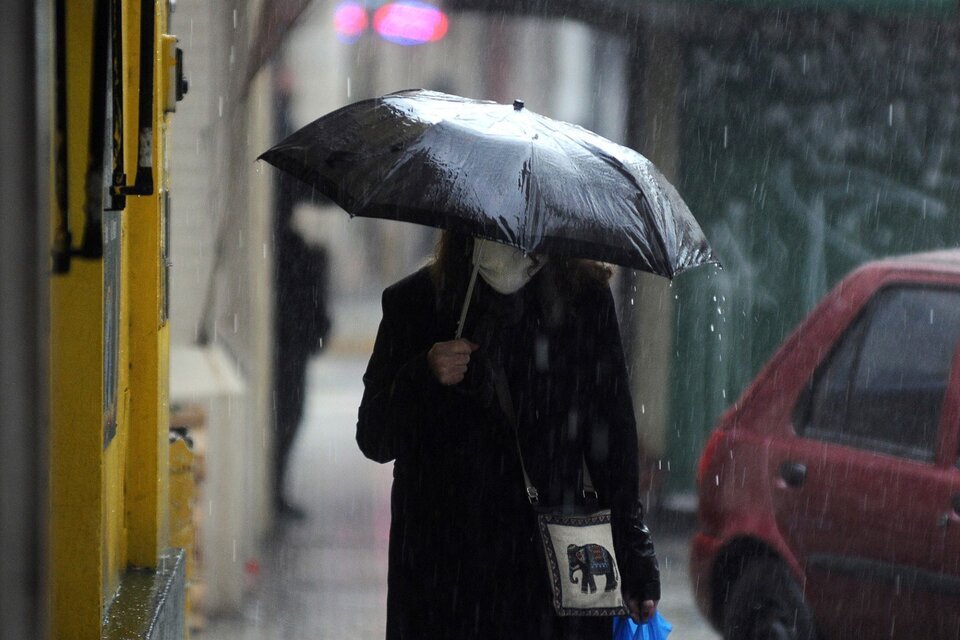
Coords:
pixel 640 612
pixel 448 360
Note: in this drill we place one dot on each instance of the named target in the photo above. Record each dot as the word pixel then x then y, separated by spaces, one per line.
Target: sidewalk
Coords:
pixel 325 578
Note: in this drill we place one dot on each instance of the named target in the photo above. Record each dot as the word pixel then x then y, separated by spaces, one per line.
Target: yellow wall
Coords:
pixel 76 382
pixel 147 507
pixel 108 505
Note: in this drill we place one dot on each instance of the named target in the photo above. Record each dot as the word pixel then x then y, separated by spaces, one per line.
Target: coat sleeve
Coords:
pixel 398 388
pixel 612 454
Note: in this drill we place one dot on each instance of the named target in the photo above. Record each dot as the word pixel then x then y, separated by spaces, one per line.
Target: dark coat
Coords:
pixel 465 560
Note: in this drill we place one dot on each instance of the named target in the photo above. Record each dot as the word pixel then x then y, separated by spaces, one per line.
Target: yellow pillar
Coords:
pixel 75 442
pixel 76 381
pixel 147 477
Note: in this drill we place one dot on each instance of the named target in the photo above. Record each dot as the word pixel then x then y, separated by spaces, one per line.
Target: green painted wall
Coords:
pixel 810 144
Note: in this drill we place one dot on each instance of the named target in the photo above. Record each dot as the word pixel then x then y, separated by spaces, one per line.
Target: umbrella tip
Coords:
pixel 517 105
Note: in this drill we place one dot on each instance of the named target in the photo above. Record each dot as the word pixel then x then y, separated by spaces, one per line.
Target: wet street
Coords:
pixel 325 578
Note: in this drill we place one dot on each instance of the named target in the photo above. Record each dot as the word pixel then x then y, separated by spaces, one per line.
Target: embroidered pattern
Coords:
pixel 584 542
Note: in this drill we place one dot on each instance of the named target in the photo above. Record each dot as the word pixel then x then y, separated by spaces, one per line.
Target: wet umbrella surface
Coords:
pixel 499 172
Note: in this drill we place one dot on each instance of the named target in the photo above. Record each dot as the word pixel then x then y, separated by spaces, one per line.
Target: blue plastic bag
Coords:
pixel 656 628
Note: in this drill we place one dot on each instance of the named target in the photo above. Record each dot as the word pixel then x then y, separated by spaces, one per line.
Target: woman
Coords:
pixel 465 556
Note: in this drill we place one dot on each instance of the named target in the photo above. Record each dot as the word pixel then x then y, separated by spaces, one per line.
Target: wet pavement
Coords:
pixel 325 577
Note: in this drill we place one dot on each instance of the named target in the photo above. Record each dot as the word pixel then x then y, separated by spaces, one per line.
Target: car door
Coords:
pixel 851 490
pixel 945 496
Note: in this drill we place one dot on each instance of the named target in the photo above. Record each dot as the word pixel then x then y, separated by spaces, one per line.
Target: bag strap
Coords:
pixel 586 482
pixel 506 403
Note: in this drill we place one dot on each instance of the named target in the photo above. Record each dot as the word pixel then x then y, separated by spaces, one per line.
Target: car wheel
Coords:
pixel 766 603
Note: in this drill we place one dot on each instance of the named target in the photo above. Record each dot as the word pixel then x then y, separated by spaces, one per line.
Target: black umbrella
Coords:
pixel 498 172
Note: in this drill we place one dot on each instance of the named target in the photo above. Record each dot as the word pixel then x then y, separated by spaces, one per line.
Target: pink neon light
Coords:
pixel 350 19
pixel 410 23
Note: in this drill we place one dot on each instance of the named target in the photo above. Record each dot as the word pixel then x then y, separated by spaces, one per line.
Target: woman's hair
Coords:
pixel 451 264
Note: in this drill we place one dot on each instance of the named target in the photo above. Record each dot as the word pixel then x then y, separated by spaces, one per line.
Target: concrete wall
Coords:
pixel 221 279
pixel 204 29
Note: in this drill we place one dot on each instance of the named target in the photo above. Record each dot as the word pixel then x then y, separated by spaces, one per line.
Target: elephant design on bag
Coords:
pixel 592 560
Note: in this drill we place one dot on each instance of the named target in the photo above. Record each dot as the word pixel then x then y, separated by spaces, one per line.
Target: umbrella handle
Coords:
pixel 473 281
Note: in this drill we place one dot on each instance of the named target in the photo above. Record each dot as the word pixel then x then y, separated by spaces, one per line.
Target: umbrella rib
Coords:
pixel 652 199
pixel 533 189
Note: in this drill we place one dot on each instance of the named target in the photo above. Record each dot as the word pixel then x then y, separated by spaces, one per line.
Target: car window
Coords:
pixel 831 391
pixel 883 385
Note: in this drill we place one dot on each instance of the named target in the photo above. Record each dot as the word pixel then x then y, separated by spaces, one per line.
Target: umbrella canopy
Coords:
pixel 499 172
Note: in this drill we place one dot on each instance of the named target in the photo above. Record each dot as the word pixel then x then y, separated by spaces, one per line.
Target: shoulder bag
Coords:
pixel 577 543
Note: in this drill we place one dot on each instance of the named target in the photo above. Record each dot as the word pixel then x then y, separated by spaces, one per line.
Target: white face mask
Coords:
pixel 504 268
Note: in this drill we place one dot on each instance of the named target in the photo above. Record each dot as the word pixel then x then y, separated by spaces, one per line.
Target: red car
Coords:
pixel 829 493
